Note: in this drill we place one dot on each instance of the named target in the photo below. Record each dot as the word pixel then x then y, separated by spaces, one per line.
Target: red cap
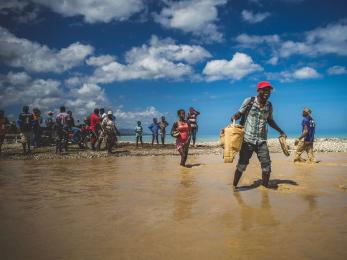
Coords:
pixel 264 84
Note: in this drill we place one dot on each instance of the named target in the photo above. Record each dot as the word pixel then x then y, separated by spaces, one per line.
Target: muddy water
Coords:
pixel 149 208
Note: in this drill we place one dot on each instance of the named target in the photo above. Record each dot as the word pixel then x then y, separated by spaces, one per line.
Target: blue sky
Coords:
pixel 143 59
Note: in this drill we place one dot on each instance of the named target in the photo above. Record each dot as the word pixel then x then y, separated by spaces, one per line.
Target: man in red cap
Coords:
pixel 255 114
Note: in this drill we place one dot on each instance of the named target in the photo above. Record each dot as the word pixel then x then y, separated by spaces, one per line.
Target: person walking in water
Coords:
pixel 181 131
pixel 255 114
pixel 192 118
pixel 154 127
pixel 4 123
pixel 138 133
pixel 25 122
pixel 306 139
pixel 163 124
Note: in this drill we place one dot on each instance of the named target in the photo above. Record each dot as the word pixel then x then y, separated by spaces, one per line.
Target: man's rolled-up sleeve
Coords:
pixel 244 105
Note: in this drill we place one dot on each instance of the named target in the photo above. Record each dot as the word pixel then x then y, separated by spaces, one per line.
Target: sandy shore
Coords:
pixel 150 208
pixel 14 151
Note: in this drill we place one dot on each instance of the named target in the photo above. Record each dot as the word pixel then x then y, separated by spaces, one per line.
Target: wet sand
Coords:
pixel 150 208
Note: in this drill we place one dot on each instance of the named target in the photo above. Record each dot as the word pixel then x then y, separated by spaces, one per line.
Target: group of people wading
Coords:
pixel 255 114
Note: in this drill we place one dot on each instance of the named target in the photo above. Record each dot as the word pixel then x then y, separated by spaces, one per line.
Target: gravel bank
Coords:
pixel 14 152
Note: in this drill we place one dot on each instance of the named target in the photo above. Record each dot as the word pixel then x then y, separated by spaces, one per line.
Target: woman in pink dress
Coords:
pixel 181 131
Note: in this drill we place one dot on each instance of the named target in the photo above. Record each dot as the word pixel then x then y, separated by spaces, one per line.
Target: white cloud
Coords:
pixel 158 59
pixel 34 57
pixel 250 17
pixel 337 70
pixel 331 39
pixel 17 5
pixel 238 67
pixel 250 41
pixel 100 60
pixel 129 118
pixel 303 73
pixel 193 16
pixel 19 88
pixel 48 94
pixel 95 10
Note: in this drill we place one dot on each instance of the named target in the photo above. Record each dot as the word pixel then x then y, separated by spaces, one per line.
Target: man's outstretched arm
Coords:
pixel 274 125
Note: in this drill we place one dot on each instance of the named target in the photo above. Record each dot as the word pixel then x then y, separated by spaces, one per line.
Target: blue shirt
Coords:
pixel 154 128
pixel 311 126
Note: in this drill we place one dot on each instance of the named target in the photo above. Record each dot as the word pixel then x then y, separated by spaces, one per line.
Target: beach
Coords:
pixel 148 207
pixel 128 148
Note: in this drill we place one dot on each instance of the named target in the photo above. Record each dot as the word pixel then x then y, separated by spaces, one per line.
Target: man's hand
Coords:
pixel 283 134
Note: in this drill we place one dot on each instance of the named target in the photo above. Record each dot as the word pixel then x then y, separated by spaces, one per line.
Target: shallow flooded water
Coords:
pixel 149 208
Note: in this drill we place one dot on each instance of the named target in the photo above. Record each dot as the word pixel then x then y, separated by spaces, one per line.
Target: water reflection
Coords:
pixel 186 195
pixel 251 215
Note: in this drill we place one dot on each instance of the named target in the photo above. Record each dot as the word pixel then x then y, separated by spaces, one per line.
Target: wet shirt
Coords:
pixel 311 127
pixel 256 122
pixel 25 121
pixel 154 127
pixel 183 128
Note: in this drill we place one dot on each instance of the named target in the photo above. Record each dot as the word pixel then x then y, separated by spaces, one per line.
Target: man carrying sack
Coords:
pixel 255 114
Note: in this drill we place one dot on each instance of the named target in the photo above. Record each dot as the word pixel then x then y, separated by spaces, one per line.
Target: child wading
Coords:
pixel 181 131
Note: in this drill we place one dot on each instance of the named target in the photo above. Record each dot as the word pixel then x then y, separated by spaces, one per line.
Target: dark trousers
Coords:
pixel 193 133
pixel 262 151
pixel 155 137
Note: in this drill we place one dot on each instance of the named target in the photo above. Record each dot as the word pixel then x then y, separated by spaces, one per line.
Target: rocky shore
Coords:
pixel 14 151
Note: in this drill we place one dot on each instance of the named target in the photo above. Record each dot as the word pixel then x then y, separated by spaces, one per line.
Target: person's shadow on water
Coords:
pixel 273 184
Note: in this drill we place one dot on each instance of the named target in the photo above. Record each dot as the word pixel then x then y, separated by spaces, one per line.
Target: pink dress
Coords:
pixel 183 128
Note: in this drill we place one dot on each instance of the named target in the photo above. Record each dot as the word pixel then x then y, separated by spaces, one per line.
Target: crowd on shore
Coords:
pixel 99 127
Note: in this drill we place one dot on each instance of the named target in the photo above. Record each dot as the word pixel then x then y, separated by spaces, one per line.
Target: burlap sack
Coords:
pixel 231 138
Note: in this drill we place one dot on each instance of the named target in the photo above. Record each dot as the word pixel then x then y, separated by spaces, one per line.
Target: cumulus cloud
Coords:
pixel 305 73
pixel 129 118
pixel 193 16
pixel 35 57
pixel 238 67
pixel 95 10
pixel 297 74
pixel 20 88
pixel 330 39
pixel 158 59
pixel 48 94
pixel 250 17
pixel 100 60
pixel 337 70
pixel 250 41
